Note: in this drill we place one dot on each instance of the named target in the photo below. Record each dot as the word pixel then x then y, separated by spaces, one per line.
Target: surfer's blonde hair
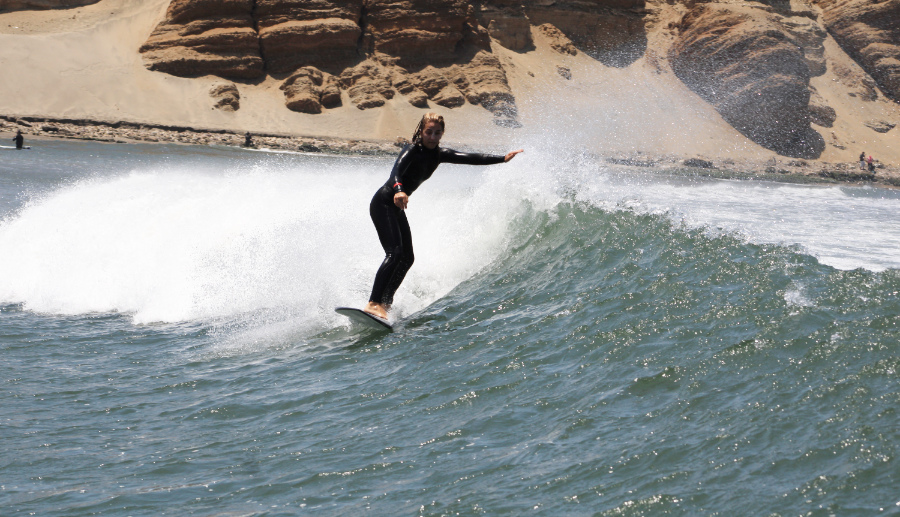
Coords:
pixel 426 118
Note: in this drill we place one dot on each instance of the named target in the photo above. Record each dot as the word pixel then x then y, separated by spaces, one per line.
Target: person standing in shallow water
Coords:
pixel 20 140
pixel 415 164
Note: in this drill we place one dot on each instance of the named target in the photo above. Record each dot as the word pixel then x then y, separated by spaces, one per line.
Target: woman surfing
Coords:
pixel 415 164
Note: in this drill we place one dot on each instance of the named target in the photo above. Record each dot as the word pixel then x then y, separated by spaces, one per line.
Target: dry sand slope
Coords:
pixel 83 63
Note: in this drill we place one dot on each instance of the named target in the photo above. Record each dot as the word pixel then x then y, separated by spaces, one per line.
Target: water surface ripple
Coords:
pixel 579 354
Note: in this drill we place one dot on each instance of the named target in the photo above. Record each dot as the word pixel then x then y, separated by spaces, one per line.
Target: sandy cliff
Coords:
pixel 629 77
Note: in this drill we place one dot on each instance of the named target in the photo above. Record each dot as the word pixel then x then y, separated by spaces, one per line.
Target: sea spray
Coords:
pixel 178 244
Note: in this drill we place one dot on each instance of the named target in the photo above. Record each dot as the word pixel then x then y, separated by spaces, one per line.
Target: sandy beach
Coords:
pixel 77 73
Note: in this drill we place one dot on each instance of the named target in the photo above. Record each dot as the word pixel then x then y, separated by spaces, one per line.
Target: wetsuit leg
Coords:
pixel 396 239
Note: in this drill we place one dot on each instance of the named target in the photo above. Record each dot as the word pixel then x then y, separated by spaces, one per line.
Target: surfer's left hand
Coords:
pixel 510 155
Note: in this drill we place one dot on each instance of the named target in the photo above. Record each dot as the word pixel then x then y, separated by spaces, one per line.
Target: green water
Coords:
pixel 622 345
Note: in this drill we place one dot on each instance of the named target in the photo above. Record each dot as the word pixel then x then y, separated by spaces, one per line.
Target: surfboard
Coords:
pixel 14 147
pixel 363 317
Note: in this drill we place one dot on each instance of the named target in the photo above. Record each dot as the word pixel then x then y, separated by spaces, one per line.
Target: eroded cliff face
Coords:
pixel 297 33
pixel 611 31
pixel 752 66
pixel 206 37
pixel 870 32
pixel 428 51
pixel 752 61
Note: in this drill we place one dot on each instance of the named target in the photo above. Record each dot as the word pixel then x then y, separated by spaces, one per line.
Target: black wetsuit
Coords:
pixel 415 164
pixel 20 140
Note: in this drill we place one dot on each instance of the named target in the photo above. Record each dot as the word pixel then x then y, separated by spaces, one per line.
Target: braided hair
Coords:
pixel 426 118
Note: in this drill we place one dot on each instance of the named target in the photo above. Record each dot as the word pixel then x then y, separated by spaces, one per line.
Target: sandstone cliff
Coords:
pixel 428 51
pixel 295 33
pixel 870 32
pixel 761 65
pixel 612 31
pixel 747 63
pixel 206 37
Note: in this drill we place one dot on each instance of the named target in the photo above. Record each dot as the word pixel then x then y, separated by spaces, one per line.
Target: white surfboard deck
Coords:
pixel 364 318
pixel 14 147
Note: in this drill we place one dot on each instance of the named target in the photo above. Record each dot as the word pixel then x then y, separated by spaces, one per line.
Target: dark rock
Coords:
pixel 296 33
pixel 870 32
pixel 226 96
pixel 879 126
pixel 698 163
pixel 205 37
pixel 308 90
pixel 743 62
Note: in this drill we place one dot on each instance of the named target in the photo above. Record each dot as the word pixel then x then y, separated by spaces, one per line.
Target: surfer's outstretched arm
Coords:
pixel 451 156
pixel 512 154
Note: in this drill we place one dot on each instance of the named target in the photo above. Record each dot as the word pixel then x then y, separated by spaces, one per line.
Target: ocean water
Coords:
pixel 574 339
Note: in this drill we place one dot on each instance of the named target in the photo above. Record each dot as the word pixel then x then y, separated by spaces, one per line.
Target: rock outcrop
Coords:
pixel 558 41
pixel 371 83
pixel 296 33
pixel 430 51
pixel 819 111
pixel 416 32
pixel 750 67
pixel 612 31
pixel 855 78
pixel 870 33
pixel 367 84
pixel 811 39
pixel 513 33
pixel 308 90
pixel 206 37
pixel 226 96
pixel 752 62
pixel 880 126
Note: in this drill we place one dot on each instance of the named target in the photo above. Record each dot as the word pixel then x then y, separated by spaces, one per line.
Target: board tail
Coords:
pixel 363 317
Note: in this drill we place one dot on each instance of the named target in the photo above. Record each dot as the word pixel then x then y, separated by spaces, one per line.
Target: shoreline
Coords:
pixel 129 132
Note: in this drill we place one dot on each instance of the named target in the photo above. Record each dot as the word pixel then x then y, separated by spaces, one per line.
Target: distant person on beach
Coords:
pixel 862 161
pixel 20 140
pixel 248 140
pixel 871 163
pixel 415 164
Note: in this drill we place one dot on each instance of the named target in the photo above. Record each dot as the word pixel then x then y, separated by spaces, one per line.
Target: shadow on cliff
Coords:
pixel 615 34
pixel 806 144
pixel 749 66
pixel 623 55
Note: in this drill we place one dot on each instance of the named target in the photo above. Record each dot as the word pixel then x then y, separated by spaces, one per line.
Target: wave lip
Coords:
pixel 177 244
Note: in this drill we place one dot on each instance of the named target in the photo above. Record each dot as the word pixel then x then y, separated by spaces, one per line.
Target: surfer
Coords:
pixel 415 164
pixel 20 140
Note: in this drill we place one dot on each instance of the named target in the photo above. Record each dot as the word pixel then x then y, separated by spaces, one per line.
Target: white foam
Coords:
pixel 844 227
pixel 291 240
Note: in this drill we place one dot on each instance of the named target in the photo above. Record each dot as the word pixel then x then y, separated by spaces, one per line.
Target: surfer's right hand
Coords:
pixel 401 200
pixel 512 154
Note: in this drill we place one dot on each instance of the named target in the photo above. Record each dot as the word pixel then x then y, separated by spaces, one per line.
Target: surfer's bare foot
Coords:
pixel 376 309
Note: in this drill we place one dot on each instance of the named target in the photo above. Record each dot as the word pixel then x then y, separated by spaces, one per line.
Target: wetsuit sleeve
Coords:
pixel 451 156
pixel 399 170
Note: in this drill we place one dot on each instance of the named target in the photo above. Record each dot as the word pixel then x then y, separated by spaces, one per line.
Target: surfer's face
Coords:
pixel 431 135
